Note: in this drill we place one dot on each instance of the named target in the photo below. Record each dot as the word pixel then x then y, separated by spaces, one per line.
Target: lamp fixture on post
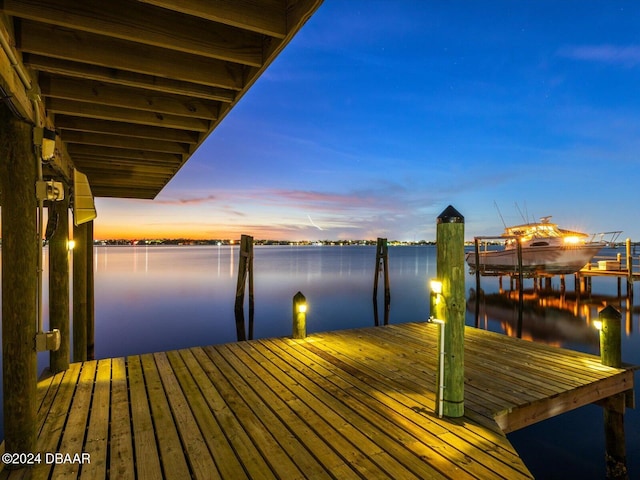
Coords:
pixel 299 316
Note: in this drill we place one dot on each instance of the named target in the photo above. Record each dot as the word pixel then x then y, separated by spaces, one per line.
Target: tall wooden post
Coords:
pixel 80 293
pixel 611 355
pixel 299 316
pixel 450 271
pixel 245 271
pixel 90 293
pixel 382 262
pixel 59 286
pixel 19 282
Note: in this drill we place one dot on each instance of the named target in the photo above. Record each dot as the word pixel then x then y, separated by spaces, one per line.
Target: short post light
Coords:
pixel 299 316
pixel 609 323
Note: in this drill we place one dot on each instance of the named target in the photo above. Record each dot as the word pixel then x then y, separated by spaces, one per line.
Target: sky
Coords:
pixel 380 114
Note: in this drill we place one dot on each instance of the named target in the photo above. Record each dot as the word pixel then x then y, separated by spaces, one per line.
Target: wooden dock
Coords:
pixel 346 404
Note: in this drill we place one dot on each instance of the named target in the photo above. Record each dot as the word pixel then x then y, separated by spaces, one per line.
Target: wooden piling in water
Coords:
pixel 611 355
pixel 382 265
pixel 19 282
pixel 629 268
pixel 245 275
pixel 59 317
pixel 451 272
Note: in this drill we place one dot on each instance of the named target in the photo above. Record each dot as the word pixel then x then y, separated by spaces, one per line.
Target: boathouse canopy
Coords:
pixel 133 87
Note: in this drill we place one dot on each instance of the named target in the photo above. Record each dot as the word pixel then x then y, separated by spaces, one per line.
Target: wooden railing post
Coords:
pixel 451 273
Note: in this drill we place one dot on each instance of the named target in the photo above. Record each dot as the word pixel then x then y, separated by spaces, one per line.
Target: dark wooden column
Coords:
pixel 19 282
pixel 90 294
pixel 59 285
pixel 80 293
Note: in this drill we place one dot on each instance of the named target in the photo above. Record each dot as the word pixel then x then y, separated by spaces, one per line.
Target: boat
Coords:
pixel 545 249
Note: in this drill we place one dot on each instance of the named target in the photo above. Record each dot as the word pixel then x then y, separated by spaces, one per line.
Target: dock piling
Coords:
pixel 19 282
pixel 80 279
pixel 59 286
pixel 245 275
pixel 382 263
pixel 451 273
pixel 611 355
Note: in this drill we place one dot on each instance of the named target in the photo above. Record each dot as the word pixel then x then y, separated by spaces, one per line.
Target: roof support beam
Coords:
pixel 262 16
pixel 68 123
pixel 105 112
pixel 84 91
pixel 130 79
pixel 121 54
pixel 101 140
pixel 108 152
pixel 168 29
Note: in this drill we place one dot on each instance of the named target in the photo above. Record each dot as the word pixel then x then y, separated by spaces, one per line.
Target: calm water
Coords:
pixel 159 298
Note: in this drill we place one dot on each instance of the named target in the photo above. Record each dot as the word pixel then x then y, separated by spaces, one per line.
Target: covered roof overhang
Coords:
pixel 133 87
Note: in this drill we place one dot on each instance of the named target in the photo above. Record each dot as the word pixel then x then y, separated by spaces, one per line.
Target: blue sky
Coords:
pixel 379 114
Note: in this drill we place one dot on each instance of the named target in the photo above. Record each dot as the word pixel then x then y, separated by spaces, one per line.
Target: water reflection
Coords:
pixel 547 315
pixel 547 320
pixel 154 298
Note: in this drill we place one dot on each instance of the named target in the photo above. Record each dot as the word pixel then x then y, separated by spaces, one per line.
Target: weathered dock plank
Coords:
pixel 170 448
pixel 349 404
pixel 147 459
pixel 120 445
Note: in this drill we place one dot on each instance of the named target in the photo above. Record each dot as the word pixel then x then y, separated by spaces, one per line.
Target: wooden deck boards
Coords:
pixel 347 404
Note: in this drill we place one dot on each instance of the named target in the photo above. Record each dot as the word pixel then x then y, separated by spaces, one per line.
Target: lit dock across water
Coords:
pixel 347 404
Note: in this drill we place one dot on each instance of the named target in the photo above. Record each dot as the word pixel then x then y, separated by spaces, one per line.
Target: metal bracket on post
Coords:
pixel 49 190
pixel 441 359
pixel 48 340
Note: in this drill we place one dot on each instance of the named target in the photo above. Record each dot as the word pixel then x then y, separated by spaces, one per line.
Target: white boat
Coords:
pixel 545 249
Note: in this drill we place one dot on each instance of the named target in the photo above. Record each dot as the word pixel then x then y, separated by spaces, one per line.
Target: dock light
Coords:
pixel 597 324
pixel 436 293
pixel 436 287
pixel 299 316
pixel 71 244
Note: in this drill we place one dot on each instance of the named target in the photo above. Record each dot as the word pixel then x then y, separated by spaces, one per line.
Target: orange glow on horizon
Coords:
pixel 193 232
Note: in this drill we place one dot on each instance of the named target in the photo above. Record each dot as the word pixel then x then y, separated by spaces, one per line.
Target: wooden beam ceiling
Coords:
pixel 134 89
